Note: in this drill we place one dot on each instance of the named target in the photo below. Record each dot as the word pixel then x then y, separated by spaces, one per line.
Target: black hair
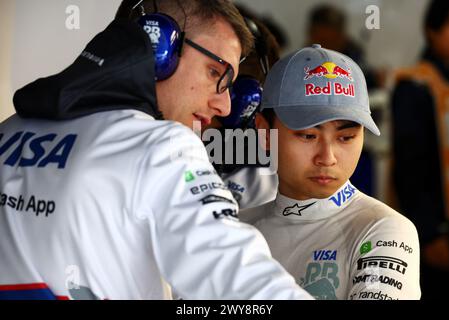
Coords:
pixel 437 15
pixel 276 30
pixel 327 15
pixel 266 51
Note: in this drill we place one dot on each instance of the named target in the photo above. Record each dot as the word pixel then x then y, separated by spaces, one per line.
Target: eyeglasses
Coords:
pixel 225 81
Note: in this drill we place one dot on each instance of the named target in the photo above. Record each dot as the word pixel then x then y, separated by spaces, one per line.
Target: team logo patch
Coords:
pixel 329 70
pixel 153 30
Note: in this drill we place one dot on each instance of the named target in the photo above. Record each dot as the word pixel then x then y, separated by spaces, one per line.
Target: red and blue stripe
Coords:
pixel 30 291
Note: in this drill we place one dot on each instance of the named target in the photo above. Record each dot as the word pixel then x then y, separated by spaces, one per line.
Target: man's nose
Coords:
pixel 326 155
pixel 221 104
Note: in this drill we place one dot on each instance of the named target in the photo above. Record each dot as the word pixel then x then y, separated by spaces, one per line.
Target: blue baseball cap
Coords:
pixel 316 85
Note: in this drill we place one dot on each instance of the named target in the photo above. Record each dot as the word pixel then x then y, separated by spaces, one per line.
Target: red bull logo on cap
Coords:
pixel 331 71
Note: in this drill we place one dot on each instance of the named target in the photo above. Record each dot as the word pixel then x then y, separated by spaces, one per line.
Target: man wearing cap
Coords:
pixel 337 242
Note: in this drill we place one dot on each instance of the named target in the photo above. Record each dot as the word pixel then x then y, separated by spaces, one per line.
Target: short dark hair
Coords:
pixel 277 31
pixel 327 15
pixel 437 15
pixel 196 15
pixel 265 45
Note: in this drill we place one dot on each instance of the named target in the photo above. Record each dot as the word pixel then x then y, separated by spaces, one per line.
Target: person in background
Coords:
pixel 420 148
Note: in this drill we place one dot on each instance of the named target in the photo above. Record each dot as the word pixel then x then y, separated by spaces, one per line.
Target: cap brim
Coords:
pixel 303 117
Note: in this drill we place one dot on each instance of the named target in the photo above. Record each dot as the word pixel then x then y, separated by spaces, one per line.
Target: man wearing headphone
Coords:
pixel 106 193
pixel 251 184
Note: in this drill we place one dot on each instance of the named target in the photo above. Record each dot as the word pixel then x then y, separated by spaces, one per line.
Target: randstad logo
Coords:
pixel 343 195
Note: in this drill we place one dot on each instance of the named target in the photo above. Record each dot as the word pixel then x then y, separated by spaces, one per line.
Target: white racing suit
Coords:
pixel 116 205
pixel 347 246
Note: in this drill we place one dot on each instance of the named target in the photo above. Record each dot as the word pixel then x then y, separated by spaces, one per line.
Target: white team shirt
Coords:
pixel 116 205
pixel 348 246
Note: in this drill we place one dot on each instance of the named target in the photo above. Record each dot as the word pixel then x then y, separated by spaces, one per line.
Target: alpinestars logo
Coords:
pixel 296 210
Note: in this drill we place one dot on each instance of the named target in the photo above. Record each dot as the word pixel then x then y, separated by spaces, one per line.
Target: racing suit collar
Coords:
pixel 315 209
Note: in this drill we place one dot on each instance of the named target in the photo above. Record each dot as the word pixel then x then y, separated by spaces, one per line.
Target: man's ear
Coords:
pixel 262 124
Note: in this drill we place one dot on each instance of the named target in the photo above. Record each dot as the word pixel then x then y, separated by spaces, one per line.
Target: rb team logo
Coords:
pixel 329 70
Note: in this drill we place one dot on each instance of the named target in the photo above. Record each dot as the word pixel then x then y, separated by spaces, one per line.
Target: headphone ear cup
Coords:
pixel 246 96
pixel 166 39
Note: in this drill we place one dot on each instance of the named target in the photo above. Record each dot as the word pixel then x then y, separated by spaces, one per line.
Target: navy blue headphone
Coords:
pixel 166 38
pixel 246 93
pixel 246 96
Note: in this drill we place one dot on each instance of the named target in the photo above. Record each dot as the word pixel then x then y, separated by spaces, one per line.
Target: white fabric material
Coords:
pixel 126 222
pixel 348 246
pixel 252 186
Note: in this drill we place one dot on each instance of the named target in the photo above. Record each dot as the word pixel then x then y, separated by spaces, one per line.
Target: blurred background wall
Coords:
pixel 395 43
pixel 6 39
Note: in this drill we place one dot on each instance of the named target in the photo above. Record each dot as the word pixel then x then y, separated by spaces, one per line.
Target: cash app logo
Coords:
pixel 365 248
pixel 188 176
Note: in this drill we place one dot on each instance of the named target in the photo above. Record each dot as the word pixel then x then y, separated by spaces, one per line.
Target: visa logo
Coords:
pixel 325 255
pixel 344 195
pixel 44 150
pixel 235 187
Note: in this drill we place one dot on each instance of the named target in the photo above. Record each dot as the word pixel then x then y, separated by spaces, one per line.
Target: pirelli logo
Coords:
pixel 382 262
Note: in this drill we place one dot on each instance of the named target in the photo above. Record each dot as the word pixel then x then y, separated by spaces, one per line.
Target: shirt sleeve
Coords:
pixel 200 246
pixel 385 264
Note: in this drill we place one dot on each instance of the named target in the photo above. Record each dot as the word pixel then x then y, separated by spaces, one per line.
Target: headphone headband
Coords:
pixel 260 44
